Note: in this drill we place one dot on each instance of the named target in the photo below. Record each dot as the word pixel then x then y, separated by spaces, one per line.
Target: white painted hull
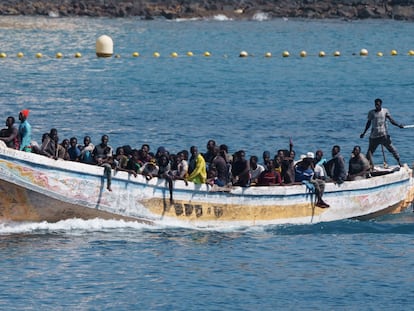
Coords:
pixel 36 188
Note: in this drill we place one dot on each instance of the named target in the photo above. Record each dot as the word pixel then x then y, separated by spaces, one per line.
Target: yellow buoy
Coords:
pixel 39 55
pixel 59 55
pixel 363 52
pixel 411 52
pixel 243 54
pixel 135 54
pixel 322 54
pixel 189 53
pixel 268 54
pixel 394 52
pixel 303 54
pixel 3 55
pixel 380 54
pixel 156 54
pixel 207 54
pixel 20 54
pixel 104 46
pixel 78 55
pixel 337 53
pixel 285 54
pixel 174 54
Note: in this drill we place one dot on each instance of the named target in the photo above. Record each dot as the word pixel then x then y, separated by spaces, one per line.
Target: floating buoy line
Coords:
pixel 207 54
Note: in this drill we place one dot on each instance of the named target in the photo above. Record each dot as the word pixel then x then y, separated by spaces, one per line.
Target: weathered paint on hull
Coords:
pixel 35 188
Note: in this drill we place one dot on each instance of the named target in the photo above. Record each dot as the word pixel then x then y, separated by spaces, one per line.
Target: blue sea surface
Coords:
pixel 255 103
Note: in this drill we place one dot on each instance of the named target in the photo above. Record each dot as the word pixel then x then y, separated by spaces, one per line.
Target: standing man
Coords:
pixel 25 131
pixel 379 132
pixel 10 135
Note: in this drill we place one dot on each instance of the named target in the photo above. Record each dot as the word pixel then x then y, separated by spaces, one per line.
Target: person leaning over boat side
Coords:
pixel 358 165
pixel 336 166
pixel 199 174
pixel 102 155
pixel 150 169
pixel 25 131
pixel 86 151
pixel 379 132
pixel 10 134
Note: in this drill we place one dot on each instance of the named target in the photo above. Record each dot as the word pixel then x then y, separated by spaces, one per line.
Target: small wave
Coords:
pixel 261 16
pixel 221 18
pixel 74 226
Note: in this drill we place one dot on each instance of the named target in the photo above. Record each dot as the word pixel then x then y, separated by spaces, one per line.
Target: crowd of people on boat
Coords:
pixel 216 166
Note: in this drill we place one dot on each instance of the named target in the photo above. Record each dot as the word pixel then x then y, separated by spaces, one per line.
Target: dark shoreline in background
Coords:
pixel 234 9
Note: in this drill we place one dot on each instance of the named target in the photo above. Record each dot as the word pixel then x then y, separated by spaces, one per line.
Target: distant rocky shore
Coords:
pixel 235 9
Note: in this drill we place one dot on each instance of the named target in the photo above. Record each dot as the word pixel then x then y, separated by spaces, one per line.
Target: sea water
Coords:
pixel 255 103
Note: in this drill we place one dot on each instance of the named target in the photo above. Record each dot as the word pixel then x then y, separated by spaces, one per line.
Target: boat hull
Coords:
pixel 36 188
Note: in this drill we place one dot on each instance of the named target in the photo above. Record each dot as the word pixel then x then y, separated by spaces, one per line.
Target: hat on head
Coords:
pixel 310 155
pixel 25 113
pixel 153 161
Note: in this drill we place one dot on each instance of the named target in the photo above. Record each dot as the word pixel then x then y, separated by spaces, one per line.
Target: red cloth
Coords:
pixel 25 113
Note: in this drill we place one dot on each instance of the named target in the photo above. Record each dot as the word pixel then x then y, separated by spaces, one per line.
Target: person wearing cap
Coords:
pixel 25 131
pixel 305 173
pixel 150 169
pixel 379 132
pixel 10 135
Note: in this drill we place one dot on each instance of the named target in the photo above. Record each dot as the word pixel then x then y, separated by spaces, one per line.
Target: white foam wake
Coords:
pixel 69 225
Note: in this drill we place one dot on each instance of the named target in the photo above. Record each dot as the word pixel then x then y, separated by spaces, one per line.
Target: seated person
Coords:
pixel 86 151
pixel 256 170
pixel 358 165
pixel 240 169
pixel 62 150
pixel 304 173
pixel 10 134
pixel 120 160
pixel 73 150
pixel 133 165
pixel 49 146
pixel 270 176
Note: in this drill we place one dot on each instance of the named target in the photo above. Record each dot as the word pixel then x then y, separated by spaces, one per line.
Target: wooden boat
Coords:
pixel 36 188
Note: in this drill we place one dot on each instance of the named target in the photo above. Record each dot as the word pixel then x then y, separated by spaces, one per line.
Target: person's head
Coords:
pixel 23 115
pixel 193 150
pixel 53 134
pixel 135 155
pixel 318 155
pixel 378 104
pixel 73 142
pixel 65 143
pixel 278 161
pixel 216 150
pixel 356 151
pixel 240 155
pixel 86 140
pixel 266 157
pixel 146 148
pixel 104 140
pixel 211 144
pixel 270 165
pixel 253 161
pixel 120 151
pixel 10 121
pixel 224 148
pixel 335 150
